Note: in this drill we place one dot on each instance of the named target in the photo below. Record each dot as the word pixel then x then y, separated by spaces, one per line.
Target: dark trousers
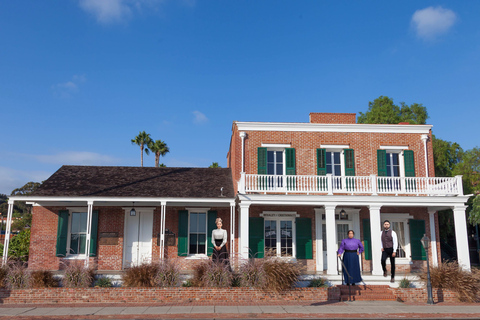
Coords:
pixel 387 253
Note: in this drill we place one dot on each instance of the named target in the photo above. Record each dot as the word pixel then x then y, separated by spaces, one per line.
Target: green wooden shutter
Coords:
pixel 256 241
pixel 211 217
pixel 304 238
pixel 62 233
pixel 417 230
pixel 367 239
pixel 321 162
pixel 94 233
pixel 382 163
pixel 262 161
pixel 409 162
pixel 349 162
pixel 290 161
pixel 182 233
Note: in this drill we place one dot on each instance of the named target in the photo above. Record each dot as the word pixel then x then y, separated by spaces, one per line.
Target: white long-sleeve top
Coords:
pixel 394 239
pixel 218 234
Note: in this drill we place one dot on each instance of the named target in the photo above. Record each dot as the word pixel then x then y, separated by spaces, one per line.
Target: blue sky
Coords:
pixel 80 78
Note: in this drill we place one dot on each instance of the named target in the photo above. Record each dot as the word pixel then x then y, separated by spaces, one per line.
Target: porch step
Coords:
pixel 366 293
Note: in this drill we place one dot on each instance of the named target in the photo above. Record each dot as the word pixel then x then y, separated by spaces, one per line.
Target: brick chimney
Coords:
pixel 337 118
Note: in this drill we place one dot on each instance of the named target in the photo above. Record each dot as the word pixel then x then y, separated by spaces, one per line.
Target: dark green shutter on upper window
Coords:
pixel 290 161
pixel 367 236
pixel 62 233
pixel 409 162
pixel 304 238
pixel 182 233
pixel 349 162
pixel 262 161
pixel 211 216
pixel 417 230
pixel 382 163
pixel 321 162
pixel 256 241
pixel 93 234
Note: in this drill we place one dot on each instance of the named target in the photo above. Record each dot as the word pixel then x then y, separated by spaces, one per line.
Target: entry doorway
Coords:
pixel 138 237
pixel 342 227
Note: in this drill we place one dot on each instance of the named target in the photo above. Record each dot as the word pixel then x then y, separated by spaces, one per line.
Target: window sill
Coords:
pixel 75 257
pixel 196 257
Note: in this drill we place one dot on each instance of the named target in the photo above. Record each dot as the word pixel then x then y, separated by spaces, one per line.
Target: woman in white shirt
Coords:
pixel 219 239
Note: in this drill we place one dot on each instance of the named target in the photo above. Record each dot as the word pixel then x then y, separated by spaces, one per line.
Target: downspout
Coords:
pixel 425 139
pixel 241 185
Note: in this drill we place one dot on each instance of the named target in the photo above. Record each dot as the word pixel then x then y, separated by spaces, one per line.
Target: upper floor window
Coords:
pixel 335 161
pixel 395 162
pixel 275 161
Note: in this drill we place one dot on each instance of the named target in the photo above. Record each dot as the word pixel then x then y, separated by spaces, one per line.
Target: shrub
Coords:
pixel 449 275
pixel 19 246
pixel 281 275
pixel 252 274
pixel 210 274
pixel 405 283
pixel 104 282
pixel 76 275
pixel 42 279
pixel 141 276
pixel 168 273
pixel 318 283
pixel 17 276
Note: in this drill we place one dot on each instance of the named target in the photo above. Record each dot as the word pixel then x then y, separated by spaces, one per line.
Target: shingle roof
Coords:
pixel 99 181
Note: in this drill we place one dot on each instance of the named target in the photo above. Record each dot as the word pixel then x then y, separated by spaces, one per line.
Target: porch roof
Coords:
pixel 137 182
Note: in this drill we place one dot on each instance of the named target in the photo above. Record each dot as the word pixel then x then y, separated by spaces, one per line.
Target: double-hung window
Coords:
pixel 72 233
pixel 339 161
pixel 198 233
pixel 275 162
pixel 195 226
pixel 396 162
pixel 78 232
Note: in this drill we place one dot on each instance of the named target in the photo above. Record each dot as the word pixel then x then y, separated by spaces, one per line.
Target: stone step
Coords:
pixel 366 293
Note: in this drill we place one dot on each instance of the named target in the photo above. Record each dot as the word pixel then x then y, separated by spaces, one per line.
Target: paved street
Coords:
pixel 339 310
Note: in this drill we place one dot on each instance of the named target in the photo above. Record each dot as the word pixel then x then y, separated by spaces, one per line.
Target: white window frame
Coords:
pixel 71 211
pixel 403 218
pixel 278 217
pixel 198 255
pixel 399 150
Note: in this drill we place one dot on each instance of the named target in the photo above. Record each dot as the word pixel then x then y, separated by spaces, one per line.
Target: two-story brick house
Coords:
pixel 302 186
pixel 291 189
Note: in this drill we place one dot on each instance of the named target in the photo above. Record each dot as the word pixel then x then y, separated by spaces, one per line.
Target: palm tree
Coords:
pixel 160 148
pixel 143 139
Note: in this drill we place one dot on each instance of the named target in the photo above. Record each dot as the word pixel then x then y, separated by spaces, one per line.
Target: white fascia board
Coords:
pixel 120 199
pixel 329 127
pixel 321 200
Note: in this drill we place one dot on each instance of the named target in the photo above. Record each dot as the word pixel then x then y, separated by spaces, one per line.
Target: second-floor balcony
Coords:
pixel 366 185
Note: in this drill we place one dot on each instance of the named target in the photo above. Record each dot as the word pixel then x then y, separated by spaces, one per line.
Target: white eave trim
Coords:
pixel 121 199
pixel 328 127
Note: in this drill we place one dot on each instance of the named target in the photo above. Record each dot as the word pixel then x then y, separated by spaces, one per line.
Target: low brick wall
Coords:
pixel 164 295
pixel 421 295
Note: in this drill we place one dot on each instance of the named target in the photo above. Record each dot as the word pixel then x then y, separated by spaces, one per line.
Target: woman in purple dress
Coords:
pixel 351 249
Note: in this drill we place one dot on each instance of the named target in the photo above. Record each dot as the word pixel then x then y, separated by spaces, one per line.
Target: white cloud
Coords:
pixel 432 22
pixel 107 11
pixel 77 158
pixel 67 89
pixel 11 179
pixel 199 117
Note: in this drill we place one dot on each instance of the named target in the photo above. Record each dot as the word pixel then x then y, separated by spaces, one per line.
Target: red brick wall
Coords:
pixel 338 118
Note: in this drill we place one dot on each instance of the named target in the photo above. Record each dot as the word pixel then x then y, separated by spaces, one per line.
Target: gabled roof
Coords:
pixel 101 181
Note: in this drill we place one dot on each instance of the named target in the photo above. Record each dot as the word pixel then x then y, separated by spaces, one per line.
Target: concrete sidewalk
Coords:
pixel 351 310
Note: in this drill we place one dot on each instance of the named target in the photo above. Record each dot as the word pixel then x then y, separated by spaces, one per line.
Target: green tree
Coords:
pixel 160 148
pixel 383 111
pixel 19 246
pixel 469 168
pixel 446 156
pixel 143 139
pixel 214 165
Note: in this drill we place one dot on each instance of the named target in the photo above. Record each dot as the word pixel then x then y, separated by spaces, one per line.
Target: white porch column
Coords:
pixel 331 239
pixel 463 254
pixel 244 213
pixel 318 240
pixel 163 209
pixel 232 231
pixel 433 237
pixel 375 234
pixel 89 233
pixel 8 226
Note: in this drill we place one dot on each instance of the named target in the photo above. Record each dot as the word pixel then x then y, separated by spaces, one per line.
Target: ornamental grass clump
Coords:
pixel 449 275
pixel 252 274
pixel 168 273
pixel 3 276
pixel 42 279
pixel 17 276
pixel 210 274
pixel 104 282
pixel 76 275
pixel 281 274
pixel 141 276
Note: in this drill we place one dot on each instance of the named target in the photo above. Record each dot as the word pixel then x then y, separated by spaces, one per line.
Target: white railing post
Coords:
pixel 459 185
pixel 373 184
pixel 330 183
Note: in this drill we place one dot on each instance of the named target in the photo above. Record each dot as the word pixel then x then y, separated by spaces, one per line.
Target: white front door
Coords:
pixel 342 233
pixel 138 237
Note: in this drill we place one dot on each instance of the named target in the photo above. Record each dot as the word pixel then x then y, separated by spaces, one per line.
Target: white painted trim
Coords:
pixel 328 127
pixel 276 145
pixel 433 237
pixel 334 146
pixel 318 239
pixel 198 209
pixel 129 200
pixel 400 148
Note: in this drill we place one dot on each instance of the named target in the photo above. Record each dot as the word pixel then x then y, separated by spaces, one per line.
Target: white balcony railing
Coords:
pixel 329 184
